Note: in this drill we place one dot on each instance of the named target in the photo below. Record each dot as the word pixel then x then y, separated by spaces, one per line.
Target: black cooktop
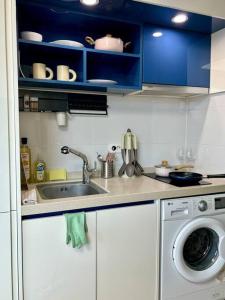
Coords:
pixel 170 181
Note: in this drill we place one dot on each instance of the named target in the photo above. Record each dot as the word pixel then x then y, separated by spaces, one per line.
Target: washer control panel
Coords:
pixel 188 207
pixel 203 206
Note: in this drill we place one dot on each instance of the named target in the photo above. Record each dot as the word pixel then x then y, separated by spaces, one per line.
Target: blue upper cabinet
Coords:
pixel 177 57
pixel 97 69
pixel 180 56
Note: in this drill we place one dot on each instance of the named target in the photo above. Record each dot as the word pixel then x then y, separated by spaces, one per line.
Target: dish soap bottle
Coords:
pixel 39 171
pixel 25 155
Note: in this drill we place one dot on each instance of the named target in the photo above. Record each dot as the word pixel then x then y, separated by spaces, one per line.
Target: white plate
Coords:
pixel 102 81
pixel 68 43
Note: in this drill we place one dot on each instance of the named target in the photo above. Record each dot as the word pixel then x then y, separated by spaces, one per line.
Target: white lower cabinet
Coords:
pixel 53 270
pixel 5 257
pixel 121 259
pixel 127 253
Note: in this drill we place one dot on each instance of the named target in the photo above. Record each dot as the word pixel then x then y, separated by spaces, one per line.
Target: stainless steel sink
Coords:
pixel 66 190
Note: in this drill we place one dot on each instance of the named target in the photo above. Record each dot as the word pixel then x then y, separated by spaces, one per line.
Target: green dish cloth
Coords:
pixel 76 229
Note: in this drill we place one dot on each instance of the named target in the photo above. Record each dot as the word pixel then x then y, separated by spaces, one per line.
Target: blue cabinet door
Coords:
pixel 178 57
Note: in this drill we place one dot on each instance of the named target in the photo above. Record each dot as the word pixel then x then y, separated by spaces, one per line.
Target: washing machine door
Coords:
pixel 199 250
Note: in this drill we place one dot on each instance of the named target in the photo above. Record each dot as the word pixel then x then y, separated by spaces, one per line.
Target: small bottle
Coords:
pixel 26 102
pixel 34 104
pixel 25 155
pixel 39 171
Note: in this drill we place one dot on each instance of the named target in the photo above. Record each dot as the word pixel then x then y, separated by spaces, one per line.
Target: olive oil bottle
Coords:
pixel 25 155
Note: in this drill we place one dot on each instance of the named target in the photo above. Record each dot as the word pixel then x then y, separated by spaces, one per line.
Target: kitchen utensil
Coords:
pixel 68 43
pixel 63 73
pixel 191 177
pixel 128 140
pixel 31 36
pixel 128 145
pixel 102 81
pixel 107 169
pixel 130 167
pixel 139 166
pixel 107 43
pixel 100 158
pixel 39 71
pixel 110 157
pixel 137 170
pixel 123 168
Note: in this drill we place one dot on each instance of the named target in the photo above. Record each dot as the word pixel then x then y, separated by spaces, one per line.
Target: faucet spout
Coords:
pixel 87 172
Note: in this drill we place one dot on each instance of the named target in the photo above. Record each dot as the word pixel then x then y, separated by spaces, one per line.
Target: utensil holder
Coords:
pixel 107 169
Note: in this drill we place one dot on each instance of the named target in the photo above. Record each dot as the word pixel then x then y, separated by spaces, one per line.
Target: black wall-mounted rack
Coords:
pixel 60 102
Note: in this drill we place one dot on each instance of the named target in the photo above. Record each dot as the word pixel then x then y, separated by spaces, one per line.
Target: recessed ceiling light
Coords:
pixel 157 34
pixel 89 2
pixel 180 18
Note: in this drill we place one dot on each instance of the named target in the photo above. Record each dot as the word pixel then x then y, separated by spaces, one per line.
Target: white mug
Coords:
pixel 63 73
pixel 39 71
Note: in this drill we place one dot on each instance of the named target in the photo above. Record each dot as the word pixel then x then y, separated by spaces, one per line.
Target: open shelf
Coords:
pixel 89 63
pixel 51 57
pixel 123 69
pixel 58 23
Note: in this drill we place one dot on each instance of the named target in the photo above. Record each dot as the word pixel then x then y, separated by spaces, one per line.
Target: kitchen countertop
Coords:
pixel 122 191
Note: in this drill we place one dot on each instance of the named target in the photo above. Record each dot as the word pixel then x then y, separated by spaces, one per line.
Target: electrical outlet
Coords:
pixel 114 148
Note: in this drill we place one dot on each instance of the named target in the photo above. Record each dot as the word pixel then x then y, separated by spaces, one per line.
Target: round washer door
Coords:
pixel 198 251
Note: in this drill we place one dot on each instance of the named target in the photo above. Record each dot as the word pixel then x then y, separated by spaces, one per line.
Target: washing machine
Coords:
pixel 192 263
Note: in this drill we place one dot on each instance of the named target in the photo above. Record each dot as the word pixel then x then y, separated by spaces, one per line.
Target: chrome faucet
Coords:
pixel 87 172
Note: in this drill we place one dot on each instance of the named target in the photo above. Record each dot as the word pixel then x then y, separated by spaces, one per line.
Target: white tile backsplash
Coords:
pixel 206 132
pixel 159 124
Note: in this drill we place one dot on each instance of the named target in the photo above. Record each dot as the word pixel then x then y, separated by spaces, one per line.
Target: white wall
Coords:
pixel 158 123
pixel 206 132
pixel 214 8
